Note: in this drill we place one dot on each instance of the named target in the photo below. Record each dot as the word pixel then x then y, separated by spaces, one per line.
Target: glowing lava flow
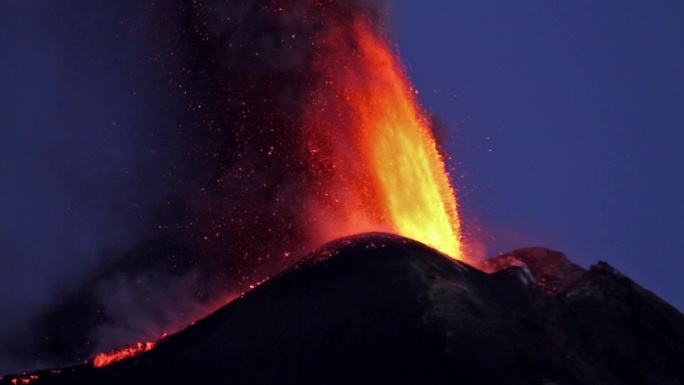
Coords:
pixel 111 356
pixel 392 176
pixel 24 379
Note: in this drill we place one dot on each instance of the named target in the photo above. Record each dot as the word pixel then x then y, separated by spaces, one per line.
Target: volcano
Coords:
pixel 380 308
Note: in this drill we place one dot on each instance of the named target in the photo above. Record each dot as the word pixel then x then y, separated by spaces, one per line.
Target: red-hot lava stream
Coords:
pixel 390 175
pixel 112 356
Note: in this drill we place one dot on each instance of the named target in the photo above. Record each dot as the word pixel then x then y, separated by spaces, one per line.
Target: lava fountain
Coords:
pixel 304 128
pixel 290 123
pixel 388 174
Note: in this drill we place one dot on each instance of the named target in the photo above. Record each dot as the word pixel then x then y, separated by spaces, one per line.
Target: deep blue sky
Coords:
pixel 69 132
pixel 566 125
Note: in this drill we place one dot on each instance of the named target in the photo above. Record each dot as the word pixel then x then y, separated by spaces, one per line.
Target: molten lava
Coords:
pixel 111 356
pixel 373 146
pixel 23 380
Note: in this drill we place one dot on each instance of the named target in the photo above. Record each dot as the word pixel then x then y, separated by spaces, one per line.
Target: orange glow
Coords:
pixel 24 380
pixel 111 356
pixel 385 172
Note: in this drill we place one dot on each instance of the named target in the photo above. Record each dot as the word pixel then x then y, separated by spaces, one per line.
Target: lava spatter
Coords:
pixel 302 127
pixel 388 173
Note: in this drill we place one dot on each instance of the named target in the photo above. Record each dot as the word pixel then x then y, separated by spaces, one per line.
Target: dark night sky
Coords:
pixel 564 120
pixel 566 125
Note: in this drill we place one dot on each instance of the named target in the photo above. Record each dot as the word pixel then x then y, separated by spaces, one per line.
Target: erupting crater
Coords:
pixel 390 174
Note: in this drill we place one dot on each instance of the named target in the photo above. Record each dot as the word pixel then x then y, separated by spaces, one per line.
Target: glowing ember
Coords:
pixel 24 379
pixel 111 356
pixel 391 176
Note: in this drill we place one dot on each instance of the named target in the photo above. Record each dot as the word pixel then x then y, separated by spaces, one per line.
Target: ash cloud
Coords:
pixel 170 122
pixel 242 70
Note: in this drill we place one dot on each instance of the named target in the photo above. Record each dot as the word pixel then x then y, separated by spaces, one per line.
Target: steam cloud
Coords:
pixel 173 126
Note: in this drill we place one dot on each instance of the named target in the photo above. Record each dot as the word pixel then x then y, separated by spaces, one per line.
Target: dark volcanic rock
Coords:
pixel 551 269
pixel 621 328
pixel 378 308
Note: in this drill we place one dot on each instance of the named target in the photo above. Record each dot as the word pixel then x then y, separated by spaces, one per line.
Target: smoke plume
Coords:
pixel 174 126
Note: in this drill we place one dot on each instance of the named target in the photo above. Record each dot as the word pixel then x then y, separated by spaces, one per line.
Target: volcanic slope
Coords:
pixel 379 308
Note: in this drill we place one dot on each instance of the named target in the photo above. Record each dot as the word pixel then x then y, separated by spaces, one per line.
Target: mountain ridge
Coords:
pixel 382 308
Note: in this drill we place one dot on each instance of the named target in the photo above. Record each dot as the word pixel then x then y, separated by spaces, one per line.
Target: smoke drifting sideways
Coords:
pixel 79 121
pixel 152 163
